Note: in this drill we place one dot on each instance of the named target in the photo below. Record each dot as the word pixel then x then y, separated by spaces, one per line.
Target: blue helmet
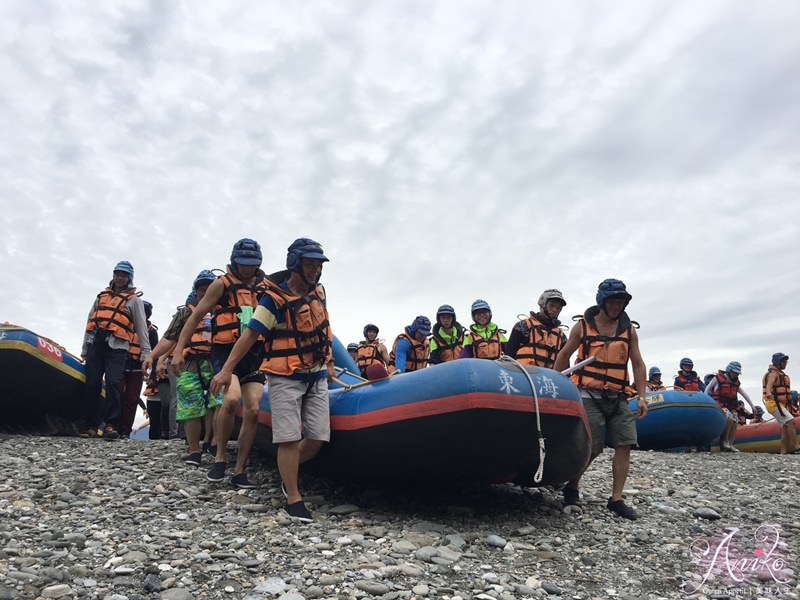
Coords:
pixel 446 309
pixel 759 411
pixel 480 305
pixel 303 248
pixel 371 326
pixel 421 325
pixel 124 266
pixel 246 252
pixel 204 277
pixel 653 371
pixel 352 347
pixel 778 358
pixel 734 367
pixel 686 362
pixel 612 289
pixel 148 308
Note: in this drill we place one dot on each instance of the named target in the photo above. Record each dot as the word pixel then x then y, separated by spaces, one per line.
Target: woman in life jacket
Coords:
pixel 484 339
pixel 725 389
pixel 447 336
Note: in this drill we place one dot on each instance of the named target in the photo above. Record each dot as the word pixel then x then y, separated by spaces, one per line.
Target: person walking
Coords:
pixel 777 390
pixel 606 333
pixel 231 299
pixel 292 317
pixel 117 314
pixel 725 388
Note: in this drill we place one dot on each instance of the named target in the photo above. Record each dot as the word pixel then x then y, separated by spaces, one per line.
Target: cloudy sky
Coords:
pixel 440 151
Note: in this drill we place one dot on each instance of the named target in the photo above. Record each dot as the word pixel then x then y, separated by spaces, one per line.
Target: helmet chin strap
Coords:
pixel 310 285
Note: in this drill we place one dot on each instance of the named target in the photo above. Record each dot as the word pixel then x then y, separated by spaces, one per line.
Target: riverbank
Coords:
pixel 113 520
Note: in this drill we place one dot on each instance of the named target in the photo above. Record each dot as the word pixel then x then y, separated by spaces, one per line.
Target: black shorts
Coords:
pixel 248 368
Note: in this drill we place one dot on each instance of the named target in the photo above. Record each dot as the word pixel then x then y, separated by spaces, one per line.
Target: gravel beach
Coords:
pixel 127 519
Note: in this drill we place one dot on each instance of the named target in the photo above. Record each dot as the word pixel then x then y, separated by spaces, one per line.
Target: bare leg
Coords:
pixel 619 469
pixel 251 393
pixel 288 466
pixel 192 429
pixel 223 423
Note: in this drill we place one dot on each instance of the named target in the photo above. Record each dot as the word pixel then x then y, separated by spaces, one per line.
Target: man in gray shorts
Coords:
pixel 292 317
pixel 606 333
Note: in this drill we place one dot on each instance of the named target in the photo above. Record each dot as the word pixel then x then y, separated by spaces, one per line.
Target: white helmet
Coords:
pixel 551 294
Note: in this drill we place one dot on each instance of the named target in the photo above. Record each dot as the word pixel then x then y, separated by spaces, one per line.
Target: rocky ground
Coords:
pixel 114 520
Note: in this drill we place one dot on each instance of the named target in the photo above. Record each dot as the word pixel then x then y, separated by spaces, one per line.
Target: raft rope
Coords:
pixel 537 477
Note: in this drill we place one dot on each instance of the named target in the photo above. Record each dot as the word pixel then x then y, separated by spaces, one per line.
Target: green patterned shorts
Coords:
pixel 194 399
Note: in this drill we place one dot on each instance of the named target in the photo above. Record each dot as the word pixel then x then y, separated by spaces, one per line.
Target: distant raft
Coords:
pixel 678 419
pixel 761 437
pixel 42 384
pixel 467 420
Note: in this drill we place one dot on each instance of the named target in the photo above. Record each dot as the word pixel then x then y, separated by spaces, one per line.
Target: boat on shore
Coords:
pixel 678 419
pixel 761 437
pixel 468 420
pixel 42 384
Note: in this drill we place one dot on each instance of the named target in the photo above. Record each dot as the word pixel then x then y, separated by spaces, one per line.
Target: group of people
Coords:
pixel 243 328
pixel 234 333
pixel 535 340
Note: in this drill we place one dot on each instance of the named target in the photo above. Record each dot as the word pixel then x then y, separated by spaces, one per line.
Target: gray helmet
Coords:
pixel 653 371
pixel 551 294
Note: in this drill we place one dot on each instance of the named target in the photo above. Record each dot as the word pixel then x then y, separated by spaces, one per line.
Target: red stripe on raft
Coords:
pixel 450 404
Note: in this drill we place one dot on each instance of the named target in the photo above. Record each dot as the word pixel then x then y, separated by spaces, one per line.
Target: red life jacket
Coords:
pixel 688 384
pixel 726 393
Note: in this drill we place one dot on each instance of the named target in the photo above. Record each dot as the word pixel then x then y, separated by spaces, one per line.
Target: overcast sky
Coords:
pixel 440 152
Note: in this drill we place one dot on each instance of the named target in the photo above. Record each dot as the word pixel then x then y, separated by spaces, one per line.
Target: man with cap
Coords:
pixel 447 336
pixel 483 339
pixel 292 318
pixel 606 333
pixel 654 380
pixel 725 388
pixel 777 390
pixel 116 318
pixel 538 339
pixel 411 348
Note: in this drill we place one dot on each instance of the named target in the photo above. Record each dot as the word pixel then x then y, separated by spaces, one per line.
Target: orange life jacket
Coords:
pixel 135 348
pixel 686 384
pixel 417 357
pixel 781 390
pixel 110 314
pixel 235 307
pixel 656 387
pixel 609 371
pixel 726 393
pixel 543 343
pixel 200 342
pixel 451 350
pixel 483 347
pixel 306 341
pixel 368 354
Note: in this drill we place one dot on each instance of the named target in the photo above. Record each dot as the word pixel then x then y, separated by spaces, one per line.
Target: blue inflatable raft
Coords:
pixel 677 419
pixel 42 383
pixel 468 419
